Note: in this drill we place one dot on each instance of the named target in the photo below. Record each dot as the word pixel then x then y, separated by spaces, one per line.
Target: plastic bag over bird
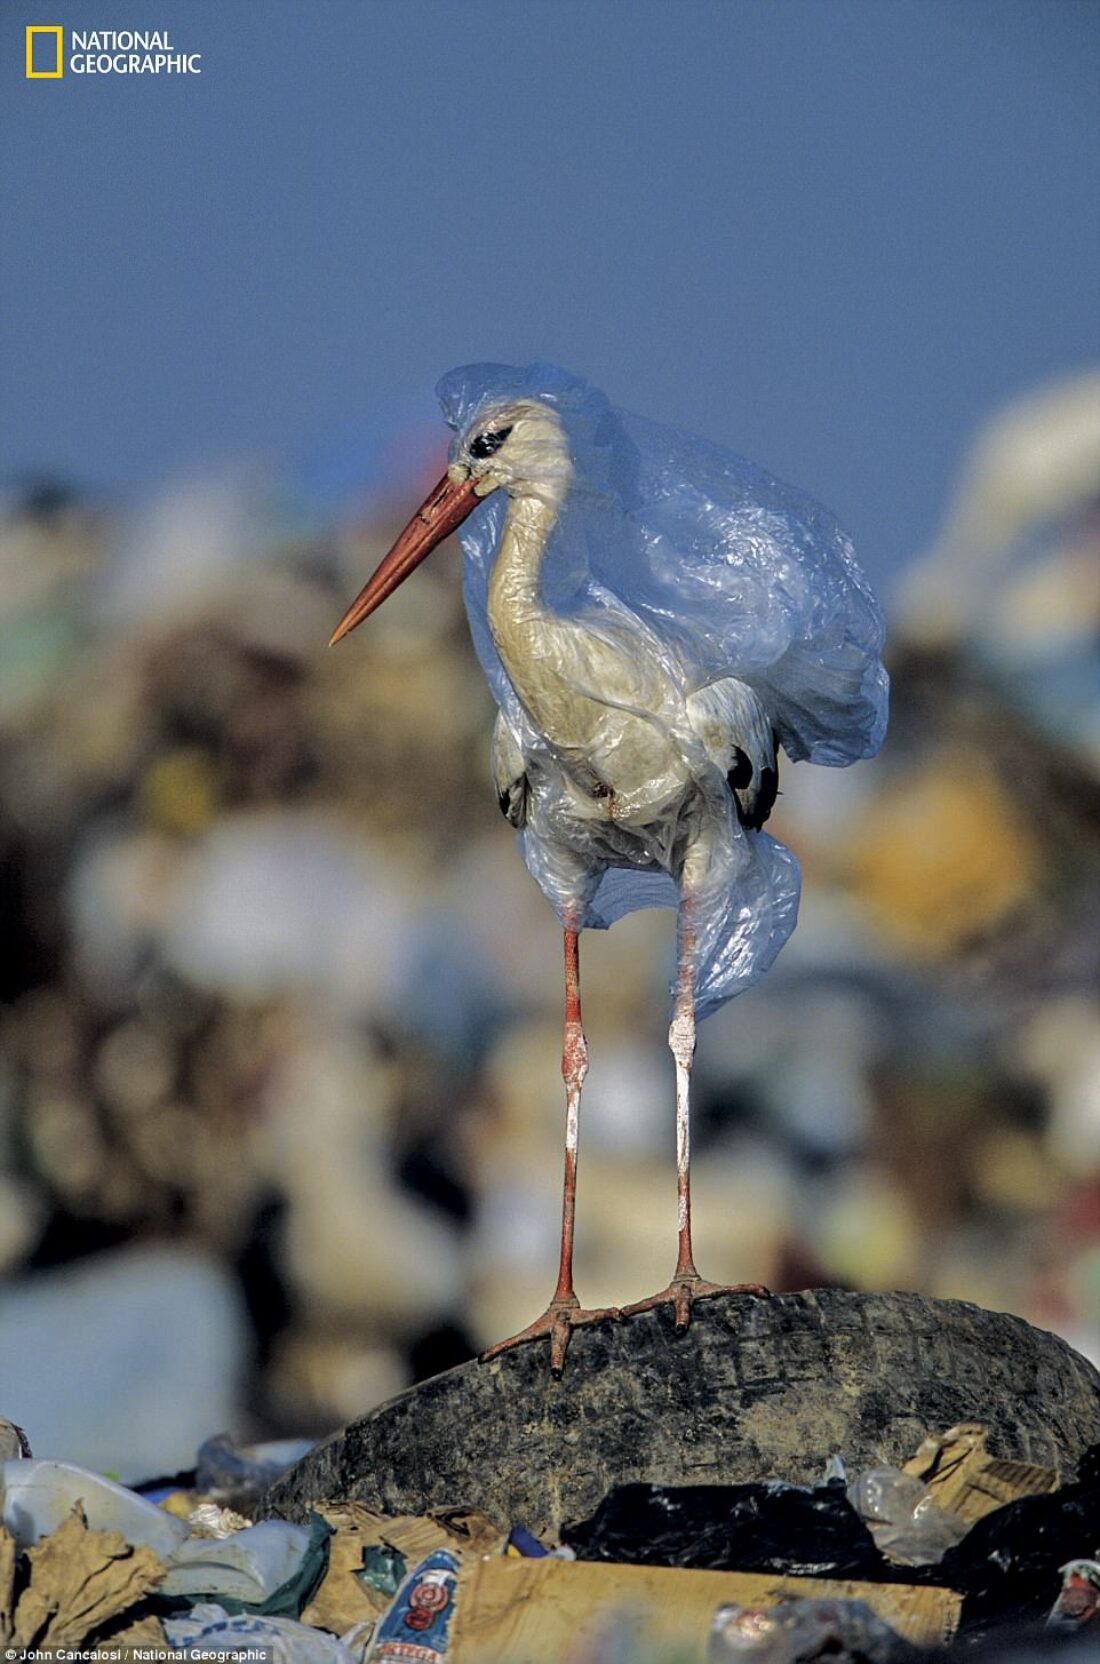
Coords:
pixel 729 579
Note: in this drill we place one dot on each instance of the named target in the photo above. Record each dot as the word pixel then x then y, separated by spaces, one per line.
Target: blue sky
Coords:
pixel 833 234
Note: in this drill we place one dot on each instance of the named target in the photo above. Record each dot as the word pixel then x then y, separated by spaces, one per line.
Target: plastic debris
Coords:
pixel 846 1631
pixel 215 1633
pixel 210 1520
pixel 1078 1600
pixel 903 1517
pixel 520 1542
pixel 38 1496
pixel 417 1626
pixel 769 1527
pixel 383 1569
pixel 1005 1564
pixel 271 1568
pixel 223 1466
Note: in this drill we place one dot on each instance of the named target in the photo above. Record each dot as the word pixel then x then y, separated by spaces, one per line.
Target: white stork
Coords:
pixel 622 748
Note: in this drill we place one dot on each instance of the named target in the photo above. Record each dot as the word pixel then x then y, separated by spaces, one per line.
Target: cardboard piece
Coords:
pixel 343 1599
pixel 966 1480
pixel 542 1611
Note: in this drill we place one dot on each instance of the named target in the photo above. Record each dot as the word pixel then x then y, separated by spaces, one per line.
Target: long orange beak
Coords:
pixel 442 510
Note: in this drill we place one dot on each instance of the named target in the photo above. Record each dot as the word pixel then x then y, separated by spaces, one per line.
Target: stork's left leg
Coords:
pixel 686 1286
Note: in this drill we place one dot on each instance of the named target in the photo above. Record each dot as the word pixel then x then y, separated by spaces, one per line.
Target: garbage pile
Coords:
pixel 892 1566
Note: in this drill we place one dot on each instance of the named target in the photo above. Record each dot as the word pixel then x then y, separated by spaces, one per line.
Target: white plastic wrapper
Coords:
pixel 739 606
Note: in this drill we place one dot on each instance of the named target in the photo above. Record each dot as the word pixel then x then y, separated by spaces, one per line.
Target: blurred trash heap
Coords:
pixel 277 995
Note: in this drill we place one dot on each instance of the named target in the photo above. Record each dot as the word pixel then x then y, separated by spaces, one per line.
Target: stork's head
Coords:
pixel 519 447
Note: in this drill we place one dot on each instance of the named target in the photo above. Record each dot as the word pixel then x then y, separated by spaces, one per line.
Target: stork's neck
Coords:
pixel 515 581
pixel 533 642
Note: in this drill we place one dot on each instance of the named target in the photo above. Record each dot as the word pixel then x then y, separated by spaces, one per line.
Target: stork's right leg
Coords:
pixel 564 1312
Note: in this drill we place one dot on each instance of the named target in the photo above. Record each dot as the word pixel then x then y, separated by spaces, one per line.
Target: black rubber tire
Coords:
pixel 757 1388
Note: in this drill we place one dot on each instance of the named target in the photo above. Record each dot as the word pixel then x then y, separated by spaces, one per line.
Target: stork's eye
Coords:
pixel 486 443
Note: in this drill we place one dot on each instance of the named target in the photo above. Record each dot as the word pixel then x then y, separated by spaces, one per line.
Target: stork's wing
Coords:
pixel 737 736
pixel 509 773
pixel 745 576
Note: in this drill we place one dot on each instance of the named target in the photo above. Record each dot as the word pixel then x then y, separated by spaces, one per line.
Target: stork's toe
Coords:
pixel 682 1293
pixel 558 1321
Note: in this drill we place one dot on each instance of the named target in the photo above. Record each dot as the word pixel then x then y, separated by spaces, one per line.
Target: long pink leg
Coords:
pixel 564 1312
pixel 686 1286
pixel 574 1068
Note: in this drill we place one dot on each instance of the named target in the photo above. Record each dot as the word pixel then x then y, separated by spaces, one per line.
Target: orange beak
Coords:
pixel 442 510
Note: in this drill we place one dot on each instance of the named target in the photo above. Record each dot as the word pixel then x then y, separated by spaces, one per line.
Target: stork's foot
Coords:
pixel 682 1293
pixel 558 1321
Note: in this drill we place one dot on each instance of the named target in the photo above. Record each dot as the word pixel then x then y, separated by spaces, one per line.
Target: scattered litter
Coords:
pixel 365 1544
pixel 902 1515
pixel 222 1467
pixel 417 1626
pixel 520 1542
pixel 1078 1601
pixel 770 1573
pixel 845 1631
pixel 515 1611
pixel 208 1520
pixel 72 1584
pixel 382 1569
pixel 213 1632
pixel 271 1568
pixel 1008 1563
pixel 38 1496
pixel 768 1527
pixel 967 1481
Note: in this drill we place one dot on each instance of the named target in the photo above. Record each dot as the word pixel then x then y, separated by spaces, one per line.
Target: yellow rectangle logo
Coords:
pixel 54 29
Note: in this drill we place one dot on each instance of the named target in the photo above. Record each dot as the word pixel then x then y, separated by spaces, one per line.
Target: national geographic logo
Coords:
pixel 45 52
pixel 104 52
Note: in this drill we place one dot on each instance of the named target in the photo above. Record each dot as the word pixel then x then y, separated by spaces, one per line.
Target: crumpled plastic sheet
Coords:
pixel 904 1518
pixel 699 565
pixel 763 1527
pixel 208 1631
pixel 271 1568
pixel 38 1495
pixel 798 1631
